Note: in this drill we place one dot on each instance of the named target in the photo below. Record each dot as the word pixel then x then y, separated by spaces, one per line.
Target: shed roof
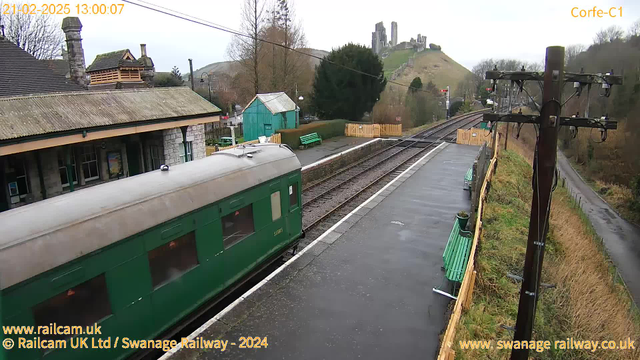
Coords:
pixel 24 116
pixel 276 102
pixel 22 74
pixel 113 60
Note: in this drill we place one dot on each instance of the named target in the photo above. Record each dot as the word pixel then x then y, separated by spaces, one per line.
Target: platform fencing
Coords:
pixel 274 139
pixel 466 289
pixel 372 130
pixel 473 136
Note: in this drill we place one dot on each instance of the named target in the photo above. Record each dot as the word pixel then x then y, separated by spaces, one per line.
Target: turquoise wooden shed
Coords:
pixel 267 113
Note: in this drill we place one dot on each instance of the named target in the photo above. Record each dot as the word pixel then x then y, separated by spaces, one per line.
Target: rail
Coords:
pixel 395 168
pixel 404 142
pixel 468 281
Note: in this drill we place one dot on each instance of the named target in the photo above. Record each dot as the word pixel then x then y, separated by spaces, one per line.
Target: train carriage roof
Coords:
pixel 43 235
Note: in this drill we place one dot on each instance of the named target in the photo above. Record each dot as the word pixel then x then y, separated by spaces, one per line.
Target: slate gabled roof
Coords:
pixel 112 60
pixel 23 74
pixel 59 66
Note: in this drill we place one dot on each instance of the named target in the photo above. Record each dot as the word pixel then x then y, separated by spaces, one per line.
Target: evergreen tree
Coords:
pixel 416 84
pixel 344 93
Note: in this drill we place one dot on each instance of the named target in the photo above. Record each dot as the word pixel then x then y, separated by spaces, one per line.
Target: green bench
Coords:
pixel 468 178
pixel 310 139
pixel 456 253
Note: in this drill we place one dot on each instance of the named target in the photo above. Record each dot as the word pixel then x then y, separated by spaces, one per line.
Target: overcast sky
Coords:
pixel 467 30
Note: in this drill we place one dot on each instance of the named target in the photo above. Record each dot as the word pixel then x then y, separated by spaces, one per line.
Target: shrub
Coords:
pixel 326 129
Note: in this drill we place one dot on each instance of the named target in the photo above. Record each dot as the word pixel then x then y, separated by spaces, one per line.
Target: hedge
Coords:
pixel 326 129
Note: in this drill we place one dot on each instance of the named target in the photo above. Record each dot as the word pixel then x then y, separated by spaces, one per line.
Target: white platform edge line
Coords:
pixel 338 154
pixel 229 307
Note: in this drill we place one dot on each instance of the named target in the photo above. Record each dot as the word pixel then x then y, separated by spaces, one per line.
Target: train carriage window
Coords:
pixel 276 212
pixel 237 225
pixel 169 261
pixel 293 195
pixel 82 305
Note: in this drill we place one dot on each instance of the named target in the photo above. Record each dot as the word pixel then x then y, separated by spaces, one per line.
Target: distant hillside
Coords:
pixel 231 69
pixel 429 65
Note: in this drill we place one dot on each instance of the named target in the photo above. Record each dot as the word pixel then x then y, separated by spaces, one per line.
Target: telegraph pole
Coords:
pixel 544 171
pixel 544 167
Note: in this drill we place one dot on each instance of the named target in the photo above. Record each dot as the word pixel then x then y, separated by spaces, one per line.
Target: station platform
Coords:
pixel 363 289
pixel 328 147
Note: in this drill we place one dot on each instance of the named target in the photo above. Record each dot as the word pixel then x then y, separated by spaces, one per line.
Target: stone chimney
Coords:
pixel 72 27
pixel 149 69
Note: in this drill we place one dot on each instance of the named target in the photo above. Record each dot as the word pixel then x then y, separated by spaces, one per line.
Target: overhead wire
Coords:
pixel 193 19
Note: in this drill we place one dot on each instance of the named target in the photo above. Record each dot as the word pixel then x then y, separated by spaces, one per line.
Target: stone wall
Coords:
pixel 174 149
pixel 317 173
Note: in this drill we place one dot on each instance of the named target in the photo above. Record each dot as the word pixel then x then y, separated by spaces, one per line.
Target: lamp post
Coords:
pixel 300 98
pixel 208 82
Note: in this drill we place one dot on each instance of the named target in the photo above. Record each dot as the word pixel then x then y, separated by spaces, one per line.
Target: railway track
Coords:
pixel 326 201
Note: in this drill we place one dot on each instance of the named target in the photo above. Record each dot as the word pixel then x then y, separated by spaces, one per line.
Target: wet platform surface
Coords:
pixel 328 147
pixel 364 289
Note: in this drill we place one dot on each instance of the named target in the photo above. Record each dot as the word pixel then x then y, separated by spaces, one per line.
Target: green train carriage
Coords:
pixel 137 255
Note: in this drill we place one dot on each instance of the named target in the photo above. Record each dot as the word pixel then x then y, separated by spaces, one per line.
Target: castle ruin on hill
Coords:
pixel 380 45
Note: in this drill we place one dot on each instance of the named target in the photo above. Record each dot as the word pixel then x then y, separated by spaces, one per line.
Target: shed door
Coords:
pixel 268 129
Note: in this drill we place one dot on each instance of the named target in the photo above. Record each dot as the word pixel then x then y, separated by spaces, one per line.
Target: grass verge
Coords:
pixel 587 303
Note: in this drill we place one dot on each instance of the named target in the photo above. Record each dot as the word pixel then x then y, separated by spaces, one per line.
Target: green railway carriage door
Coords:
pixel 294 217
pixel 275 235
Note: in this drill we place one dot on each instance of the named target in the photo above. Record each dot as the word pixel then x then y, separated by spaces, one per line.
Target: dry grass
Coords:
pixel 437 67
pixel 588 303
pixel 600 306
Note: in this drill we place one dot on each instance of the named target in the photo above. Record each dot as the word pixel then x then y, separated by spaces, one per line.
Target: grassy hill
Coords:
pixel 428 65
pixel 395 60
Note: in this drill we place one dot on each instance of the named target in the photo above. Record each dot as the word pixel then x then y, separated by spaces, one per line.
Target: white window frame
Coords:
pixel 64 166
pixel 189 150
pixel 26 179
pixel 276 207
pixel 95 154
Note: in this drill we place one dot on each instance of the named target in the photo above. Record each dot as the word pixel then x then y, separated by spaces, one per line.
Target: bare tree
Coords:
pixel 246 51
pixel 610 34
pixel 571 52
pixel 40 36
pixel 634 29
pixel 293 37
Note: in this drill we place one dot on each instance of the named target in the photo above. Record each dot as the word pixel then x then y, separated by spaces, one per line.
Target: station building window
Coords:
pixel 82 305
pixel 169 261
pixel 189 152
pixel 89 163
pixel 276 211
pixel 237 226
pixel 293 195
pixel 157 157
pixel 18 179
pixel 62 168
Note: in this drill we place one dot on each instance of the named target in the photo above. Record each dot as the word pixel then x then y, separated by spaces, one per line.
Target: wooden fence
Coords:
pixel 473 136
pixel 274 139
pixel 372 130
pixel 466 289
